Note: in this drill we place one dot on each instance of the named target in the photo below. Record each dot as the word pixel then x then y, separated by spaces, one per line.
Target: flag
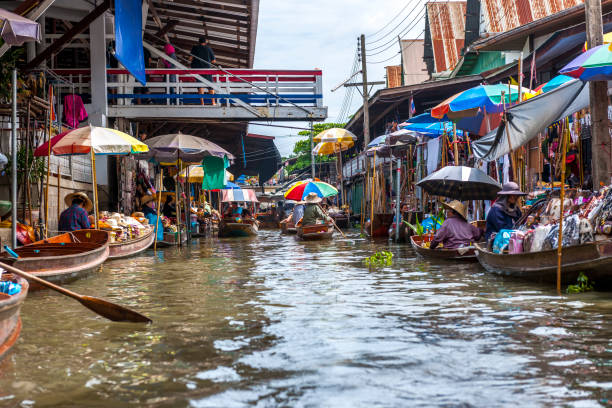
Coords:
pixel 412 107
pixel 513 81
pixel 52 104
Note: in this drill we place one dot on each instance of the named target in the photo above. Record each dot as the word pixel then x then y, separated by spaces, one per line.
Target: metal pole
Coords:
pixel 14 165
pixel 366 111
pixel 312 155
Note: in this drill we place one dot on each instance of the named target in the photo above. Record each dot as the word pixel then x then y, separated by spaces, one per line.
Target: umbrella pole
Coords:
pixel 59 183
pixel 342 200
pixel 159 194
pixel 397 200
pixel 562 197
pixel 178 202
pixel 455 147
pixel 372 201
pixel 95 186
pixel 188 213
pixel 510 155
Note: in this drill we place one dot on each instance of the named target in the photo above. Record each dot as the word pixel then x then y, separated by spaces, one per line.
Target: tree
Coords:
pixel 301 149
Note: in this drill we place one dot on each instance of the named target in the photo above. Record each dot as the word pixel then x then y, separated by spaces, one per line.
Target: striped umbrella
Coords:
pixel 240 195
pixel 460 183
pixel 594 64
pixel 300 190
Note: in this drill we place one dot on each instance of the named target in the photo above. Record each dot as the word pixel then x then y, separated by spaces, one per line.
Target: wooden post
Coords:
pixel 512 163
pixel 59 182
pixel 564 135
pixel 598 102
pixel 95 186
pixel 372 197
pixel 455 147
pixel 366 108
pixel 159 195
pixel 48 170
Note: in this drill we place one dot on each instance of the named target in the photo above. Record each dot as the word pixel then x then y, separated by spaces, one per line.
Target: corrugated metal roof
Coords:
pixel 394 76
pixel 497 16
pixel 446 23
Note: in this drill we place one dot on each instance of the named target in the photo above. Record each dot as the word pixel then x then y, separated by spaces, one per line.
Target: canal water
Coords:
pixel 270 321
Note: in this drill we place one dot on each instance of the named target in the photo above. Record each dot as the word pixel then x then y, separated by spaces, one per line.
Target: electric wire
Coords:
pixel 394 28
pixel 413 24
pixel 402 30
pixel 388 23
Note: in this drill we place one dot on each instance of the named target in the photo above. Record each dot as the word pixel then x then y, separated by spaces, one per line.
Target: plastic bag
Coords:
pixel 501 241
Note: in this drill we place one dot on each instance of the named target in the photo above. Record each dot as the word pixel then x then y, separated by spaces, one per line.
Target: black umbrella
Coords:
pixel 460 183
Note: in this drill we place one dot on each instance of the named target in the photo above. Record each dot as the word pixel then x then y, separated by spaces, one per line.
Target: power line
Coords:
pixel 387 25
pixel 394 37
pixel 413 24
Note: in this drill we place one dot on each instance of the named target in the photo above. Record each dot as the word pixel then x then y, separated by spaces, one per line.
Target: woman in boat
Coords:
pixel 169 208
pixel 148 209
pixel 456 232
pixel 75 216
pixel 312 211
pixel 505 211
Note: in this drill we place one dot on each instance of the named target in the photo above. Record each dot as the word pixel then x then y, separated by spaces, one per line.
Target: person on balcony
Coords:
pixel 202 56
pixel 171 52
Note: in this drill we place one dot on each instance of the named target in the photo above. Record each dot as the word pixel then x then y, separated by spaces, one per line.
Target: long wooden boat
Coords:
pixel 288 228
pixel 382 222
pixel 315 232
pixel 267 221
pixel 10 321
pixel 459 254
pixel 594 259
pixel 63 258
pixel 245 228
pixel 131 247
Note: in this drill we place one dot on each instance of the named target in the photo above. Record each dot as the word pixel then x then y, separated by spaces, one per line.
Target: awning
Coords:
pixel 238 195
pixel 527 119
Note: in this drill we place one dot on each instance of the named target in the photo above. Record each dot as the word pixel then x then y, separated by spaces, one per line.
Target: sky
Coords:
pixel 323 34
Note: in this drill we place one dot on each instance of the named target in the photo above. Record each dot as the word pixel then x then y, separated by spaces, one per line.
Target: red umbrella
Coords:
pixel 43 149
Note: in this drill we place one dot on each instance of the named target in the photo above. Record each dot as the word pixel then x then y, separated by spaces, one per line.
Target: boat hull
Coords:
pixel 288 228
pixel 10 320
pixel 63 258
pixel 317 232
pixel 382 222
pixel 125 249
pixel 238 229
pixel 467 254
pixel 594 259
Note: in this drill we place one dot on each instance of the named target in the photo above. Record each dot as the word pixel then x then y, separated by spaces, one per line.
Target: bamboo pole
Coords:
pixel 455 147
pixel 372 200
pixel 565 134
pixel 159 195
pixel 48 169
pixel 26 173
pixel 95 186
pixel 512 162
pixel 59 183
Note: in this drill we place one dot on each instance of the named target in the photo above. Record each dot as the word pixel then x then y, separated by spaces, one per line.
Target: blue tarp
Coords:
pixel 128 37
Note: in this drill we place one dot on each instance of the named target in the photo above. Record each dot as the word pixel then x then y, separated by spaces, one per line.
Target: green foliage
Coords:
pixel 417 227
pixel 301 149
pixel 36 164
pixel 582 285
pixel 379 259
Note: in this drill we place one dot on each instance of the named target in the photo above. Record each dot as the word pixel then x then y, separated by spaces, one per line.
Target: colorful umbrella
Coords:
pixel 196 174
pixel 469 102
pixel 17 29
pixel 101 140
pixel 238 194
pixel 594 64
pixel 325 148
pixel 335 135
pixel 402 135
pixel 300 190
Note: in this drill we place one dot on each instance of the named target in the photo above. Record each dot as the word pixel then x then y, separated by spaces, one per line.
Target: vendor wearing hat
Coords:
pixel 456 232
pixel 148 209
pixel 312 210
pixel 505 212
pixel 74 217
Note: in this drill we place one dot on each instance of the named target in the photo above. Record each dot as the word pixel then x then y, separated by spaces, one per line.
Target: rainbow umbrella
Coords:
pixel 85 139
pixel 594 64
pixel 553 84
pixel 300 190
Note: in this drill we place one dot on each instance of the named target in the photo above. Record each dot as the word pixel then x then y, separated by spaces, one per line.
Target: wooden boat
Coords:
pixel 382 223
pixel 10 321
pixel 230 228
pixel 594 259
pixel 131 247
pixel 267 221
pixel 288 228
pixel 460 254
pixel 315 232
pixel 171 239
pixel 63 258
pixel 341 219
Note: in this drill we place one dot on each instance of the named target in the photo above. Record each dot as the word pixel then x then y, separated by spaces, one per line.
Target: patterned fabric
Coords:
pixel 73 218
pixel 456 233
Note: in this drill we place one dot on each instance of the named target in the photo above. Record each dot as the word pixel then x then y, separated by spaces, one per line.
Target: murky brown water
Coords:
pixel 271 321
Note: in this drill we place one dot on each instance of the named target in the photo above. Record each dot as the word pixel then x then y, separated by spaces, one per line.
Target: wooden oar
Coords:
pixel 102 307
pixel 332 220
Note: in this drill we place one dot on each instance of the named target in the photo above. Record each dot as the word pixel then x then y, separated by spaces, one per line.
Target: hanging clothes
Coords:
pixel 214 172
pixel 433 154
pixel 74 110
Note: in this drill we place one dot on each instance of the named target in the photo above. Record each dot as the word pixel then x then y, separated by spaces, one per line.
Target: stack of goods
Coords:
pixel 587 218
pixel 124 228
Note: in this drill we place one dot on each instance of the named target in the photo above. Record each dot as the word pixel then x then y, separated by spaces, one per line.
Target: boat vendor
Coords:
pixel 169 208
pixel 312 210
pixel 456 231
pixel 148 209
pixel 75 216
pixel 505 211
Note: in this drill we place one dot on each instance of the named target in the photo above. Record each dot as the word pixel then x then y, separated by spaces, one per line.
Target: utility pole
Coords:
pixel 366 109
pixel 312 155
pixel 598 102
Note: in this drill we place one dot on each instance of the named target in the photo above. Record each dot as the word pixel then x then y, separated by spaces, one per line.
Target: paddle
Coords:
pixel 102 307
pixel 333 222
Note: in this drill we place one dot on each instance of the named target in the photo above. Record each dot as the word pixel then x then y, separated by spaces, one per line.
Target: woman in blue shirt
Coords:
pixel 505 212
pixel 148 209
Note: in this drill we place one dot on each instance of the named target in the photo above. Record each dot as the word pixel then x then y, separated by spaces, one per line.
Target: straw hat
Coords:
pixel 312 198
pixel 88 205
pixel 145 199
pixel 512 189
pixel 458 207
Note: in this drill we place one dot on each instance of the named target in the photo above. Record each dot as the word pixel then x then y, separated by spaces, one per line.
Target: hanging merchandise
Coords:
pixel 74 110
pixel 433 154
pixel 214 172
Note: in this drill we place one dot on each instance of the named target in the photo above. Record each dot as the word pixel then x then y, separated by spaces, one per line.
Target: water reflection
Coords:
pixel 274 321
